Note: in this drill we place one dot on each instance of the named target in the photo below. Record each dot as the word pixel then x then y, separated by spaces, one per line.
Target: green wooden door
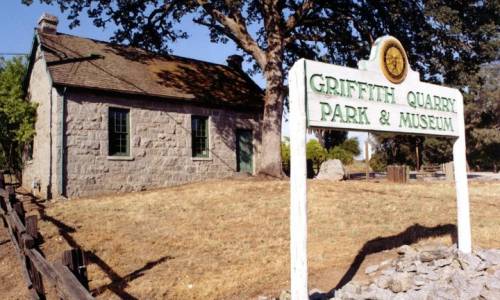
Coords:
pixel 244 151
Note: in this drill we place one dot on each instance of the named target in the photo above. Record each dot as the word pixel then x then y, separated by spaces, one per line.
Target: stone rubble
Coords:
pixel 437 272
pixel 424 273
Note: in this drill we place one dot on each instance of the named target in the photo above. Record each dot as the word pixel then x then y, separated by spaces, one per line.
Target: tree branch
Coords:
pixel 238 32
pixel 219 28
pixel 295 19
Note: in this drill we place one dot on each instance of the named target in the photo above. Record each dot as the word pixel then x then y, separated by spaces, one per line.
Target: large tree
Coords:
pixel 444 39
pixel 17 116
pixel 483 118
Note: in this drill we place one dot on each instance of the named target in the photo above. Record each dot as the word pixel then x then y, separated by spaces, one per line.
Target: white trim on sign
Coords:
pixel 319 99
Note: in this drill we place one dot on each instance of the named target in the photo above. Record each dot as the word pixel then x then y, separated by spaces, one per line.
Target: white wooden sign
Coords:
pixel 382 95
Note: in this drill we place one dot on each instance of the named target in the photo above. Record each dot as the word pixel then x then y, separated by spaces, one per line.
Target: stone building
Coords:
pixel 116 119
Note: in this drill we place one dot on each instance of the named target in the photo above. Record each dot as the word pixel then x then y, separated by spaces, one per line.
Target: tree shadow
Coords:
pixel 411 235
pixel 118 283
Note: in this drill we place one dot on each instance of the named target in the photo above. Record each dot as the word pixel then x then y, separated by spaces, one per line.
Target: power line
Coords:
pixel 12 54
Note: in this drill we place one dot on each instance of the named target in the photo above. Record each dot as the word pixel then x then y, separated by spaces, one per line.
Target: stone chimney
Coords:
pixel 235 61
pixel 48 23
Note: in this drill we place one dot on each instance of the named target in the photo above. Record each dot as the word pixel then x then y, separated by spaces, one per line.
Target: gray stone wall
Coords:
pixel 39 174
pixel 160 144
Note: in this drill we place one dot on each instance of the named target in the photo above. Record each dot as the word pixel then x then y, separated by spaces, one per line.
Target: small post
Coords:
pixel 4 208
pixel 19 209
pixel 36 278
pixel 418 158
pixel 12 194
pixel 367 162
pixel 32 226
pixel 75 260
pixel 3 205
pixel 2 180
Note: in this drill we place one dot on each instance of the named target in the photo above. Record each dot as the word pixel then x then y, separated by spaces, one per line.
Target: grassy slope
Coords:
pixel 230 239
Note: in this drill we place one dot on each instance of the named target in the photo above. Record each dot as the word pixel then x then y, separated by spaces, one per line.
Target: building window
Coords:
pixel 119 132
pixel 199 136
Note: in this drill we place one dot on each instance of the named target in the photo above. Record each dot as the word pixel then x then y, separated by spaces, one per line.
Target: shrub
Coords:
pixel 378 162
pixel 343 155
pixel 285 157
pixel 351 145
pixel 316 153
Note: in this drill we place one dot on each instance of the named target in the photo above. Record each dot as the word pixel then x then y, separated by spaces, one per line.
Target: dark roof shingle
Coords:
pixel 87 63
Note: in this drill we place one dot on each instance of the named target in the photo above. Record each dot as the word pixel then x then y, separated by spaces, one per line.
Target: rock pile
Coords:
pixel 431 273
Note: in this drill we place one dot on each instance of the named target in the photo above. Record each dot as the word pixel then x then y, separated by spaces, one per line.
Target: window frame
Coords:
pixel 200 155
pixel 111 139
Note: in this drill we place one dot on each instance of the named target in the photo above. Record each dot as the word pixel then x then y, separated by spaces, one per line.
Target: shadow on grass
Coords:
pixel 118 283
pixel 411 235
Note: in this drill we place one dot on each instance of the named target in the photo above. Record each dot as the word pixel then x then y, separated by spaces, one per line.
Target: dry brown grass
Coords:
pixel 229 239
pixel 357 166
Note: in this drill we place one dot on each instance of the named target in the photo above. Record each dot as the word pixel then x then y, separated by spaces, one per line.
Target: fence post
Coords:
pixel 75 260
pixel 12 194
pixel 3 205
pixel 2 180
pixel 19 209
pixel 36 278
pixel 32 226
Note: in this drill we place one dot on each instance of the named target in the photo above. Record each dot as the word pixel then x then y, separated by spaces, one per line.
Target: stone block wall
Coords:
pixel 39 172
pixel 160 144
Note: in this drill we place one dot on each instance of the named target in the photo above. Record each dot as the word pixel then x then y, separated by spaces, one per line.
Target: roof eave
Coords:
pixel 181 100
pixel 26 80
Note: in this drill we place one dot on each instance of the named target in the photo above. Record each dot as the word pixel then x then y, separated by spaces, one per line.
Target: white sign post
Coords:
pixel 382 95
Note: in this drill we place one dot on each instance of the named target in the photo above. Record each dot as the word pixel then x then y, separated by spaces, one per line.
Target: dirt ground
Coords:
pixel 11 280
pixel 229 239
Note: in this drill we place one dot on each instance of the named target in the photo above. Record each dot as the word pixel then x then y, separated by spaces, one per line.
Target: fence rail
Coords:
pixel 68 276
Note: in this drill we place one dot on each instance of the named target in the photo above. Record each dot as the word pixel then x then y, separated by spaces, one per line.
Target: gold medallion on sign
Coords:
pixel 394 61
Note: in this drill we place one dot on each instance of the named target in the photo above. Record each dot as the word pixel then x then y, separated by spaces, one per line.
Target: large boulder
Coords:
pixel 331 169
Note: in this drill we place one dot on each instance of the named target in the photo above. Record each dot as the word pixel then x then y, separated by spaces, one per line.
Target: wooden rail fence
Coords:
pixel 68 276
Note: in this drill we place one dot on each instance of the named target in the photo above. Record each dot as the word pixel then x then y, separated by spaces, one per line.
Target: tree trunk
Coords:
pixel 270 163
pixel 270 160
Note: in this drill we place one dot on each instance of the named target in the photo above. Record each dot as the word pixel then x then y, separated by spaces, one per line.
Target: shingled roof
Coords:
pixel 86 63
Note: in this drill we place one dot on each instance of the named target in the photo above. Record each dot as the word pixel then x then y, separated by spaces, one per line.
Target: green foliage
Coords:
pixel 378 162
pixel 446 41
pixel 351 145
pixel 285 152
pixel 17 116
pixel 285 155
pixel 345 156
pixel 483 118
pixel 398 149
pixel 344 152
pixel 437 150
pixel 316 153
pixel 332 138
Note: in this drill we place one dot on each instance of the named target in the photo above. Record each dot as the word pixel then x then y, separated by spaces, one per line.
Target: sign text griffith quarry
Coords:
pixel 383 95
